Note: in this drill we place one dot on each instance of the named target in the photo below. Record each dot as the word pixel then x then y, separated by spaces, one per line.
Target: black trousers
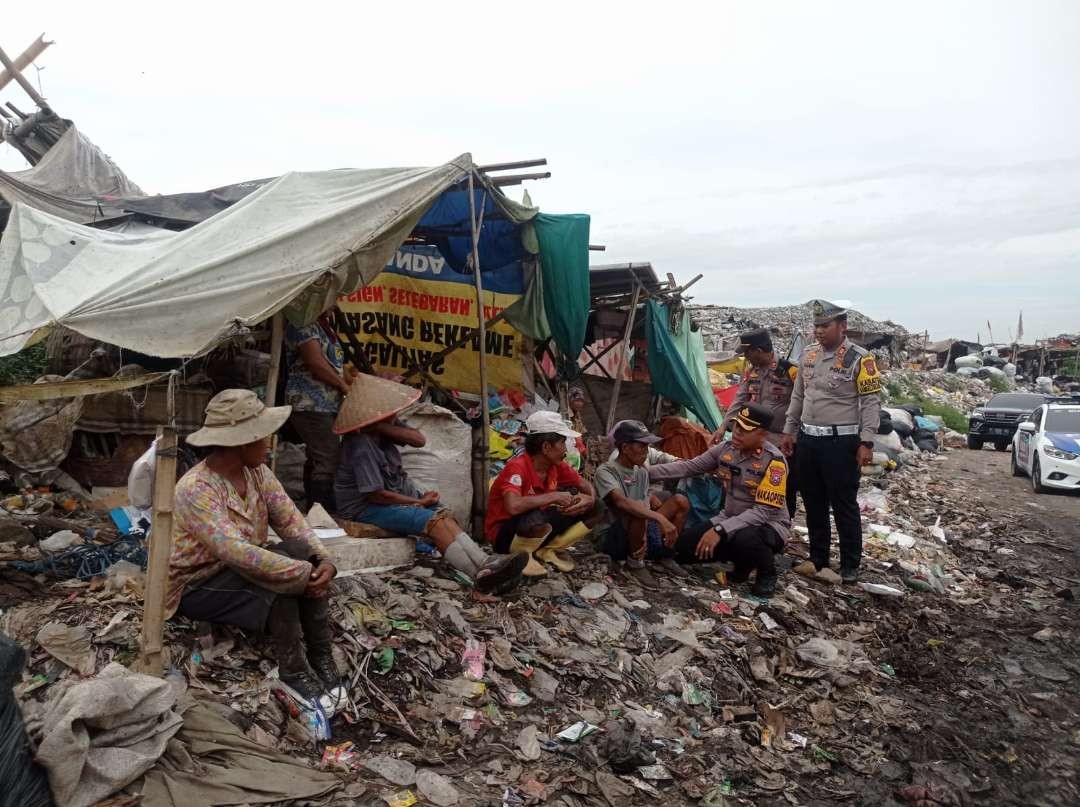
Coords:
pixel 829 480
pixel 793 483
pixel 749 548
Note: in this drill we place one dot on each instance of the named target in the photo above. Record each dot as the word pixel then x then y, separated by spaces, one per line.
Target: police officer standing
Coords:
pixel 767 381
pixel 834 411
pixel 754 523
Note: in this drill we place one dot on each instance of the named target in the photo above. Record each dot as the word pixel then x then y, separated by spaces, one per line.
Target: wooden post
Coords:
pixel 157 567
pixel 277 336
pixel 485 415
pixel 622 358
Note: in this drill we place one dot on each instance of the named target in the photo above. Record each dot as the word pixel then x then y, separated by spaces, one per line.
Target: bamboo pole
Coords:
pixel 485 415
pixel 25 59
pixel 157 567
pixel 622 358
pixel 277 338
pixel 21 79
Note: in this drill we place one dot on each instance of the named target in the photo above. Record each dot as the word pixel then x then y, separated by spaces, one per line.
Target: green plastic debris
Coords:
pixel 384 660
pixel 821 755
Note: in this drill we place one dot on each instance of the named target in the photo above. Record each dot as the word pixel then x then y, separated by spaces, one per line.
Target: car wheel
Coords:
pixel 1001 446
pixel 1012 464
pixel 975 443
pixel 1036 477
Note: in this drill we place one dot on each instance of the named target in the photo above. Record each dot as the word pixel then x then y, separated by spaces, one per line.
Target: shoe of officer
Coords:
pixel 849 576
pixel 764 586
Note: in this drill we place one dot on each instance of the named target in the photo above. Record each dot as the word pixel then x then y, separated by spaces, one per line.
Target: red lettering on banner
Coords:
pixel 368 294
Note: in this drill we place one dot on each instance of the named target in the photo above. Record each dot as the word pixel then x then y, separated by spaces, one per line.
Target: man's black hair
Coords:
pixel 534 443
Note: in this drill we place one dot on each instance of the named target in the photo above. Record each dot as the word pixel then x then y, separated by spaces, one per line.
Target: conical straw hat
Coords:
pixel 370 400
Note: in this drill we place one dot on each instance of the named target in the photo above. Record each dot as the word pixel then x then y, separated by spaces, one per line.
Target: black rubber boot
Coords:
pixel 319 638
pixel 322 492
pixel 849 576
pixel 283 626
pixel 740 574
pixel 764 586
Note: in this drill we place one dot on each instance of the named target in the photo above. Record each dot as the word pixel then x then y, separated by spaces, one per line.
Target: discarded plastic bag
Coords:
pixel 69 645
pixel 141 479
pixel 124 573
pixel 436 788
pixel 900 539
pixel 834 654
pixel 882 590
pixel 59 541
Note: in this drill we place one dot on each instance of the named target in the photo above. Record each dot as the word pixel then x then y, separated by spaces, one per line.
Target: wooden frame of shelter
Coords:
pixel 619 289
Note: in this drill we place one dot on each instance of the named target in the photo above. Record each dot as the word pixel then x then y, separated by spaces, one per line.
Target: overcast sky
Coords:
pixel 919 159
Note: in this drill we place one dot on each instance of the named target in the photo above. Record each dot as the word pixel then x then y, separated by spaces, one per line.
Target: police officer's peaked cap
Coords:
pixel 751 339
pixel 825 312
pixel 753 416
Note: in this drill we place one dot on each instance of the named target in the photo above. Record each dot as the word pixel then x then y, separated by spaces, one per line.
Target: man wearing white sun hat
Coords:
pixel 222 569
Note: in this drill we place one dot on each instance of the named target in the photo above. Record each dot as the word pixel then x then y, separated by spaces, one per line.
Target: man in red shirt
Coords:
pixel 538 503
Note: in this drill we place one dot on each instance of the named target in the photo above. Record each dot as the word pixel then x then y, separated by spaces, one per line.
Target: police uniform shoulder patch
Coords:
pixel 868 381
pixel 772 489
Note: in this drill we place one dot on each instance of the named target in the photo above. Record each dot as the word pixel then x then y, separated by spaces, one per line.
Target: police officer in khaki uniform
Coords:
pixel 755 521
pixel 835 408
pixel 768 381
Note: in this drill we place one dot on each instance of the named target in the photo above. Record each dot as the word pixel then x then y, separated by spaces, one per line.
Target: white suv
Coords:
pixel 1046 447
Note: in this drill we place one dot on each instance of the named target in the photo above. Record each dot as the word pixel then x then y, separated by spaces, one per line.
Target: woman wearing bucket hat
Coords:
pixel 372 487
pixel 221 569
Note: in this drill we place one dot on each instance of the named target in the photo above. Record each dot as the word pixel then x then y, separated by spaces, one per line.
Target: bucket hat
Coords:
pixel 370 400
pixel 236 417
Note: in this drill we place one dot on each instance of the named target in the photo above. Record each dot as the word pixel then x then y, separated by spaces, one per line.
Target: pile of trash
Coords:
pixel 721 325
pixel 584 687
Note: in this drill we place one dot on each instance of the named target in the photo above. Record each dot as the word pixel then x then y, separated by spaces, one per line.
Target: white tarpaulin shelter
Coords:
pixel 73 180
pixel 177 294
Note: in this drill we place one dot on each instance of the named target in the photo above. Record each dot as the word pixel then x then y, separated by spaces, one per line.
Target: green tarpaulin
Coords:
pixel 677 364
pixel 564 260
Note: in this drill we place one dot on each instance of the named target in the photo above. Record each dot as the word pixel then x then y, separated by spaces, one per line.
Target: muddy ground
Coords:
pixel 997 706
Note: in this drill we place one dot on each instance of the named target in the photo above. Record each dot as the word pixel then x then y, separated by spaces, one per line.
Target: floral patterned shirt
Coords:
pixel 214 528
pixel 304 392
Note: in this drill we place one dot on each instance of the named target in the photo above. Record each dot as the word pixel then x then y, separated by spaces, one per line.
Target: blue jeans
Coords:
pixel 404 519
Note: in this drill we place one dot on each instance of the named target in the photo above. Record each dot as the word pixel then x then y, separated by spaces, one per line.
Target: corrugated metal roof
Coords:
pixel 611 279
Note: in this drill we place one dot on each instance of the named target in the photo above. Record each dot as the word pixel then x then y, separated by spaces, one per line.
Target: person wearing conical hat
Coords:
pixel 222 569
pixel 538 503
pixel 834 413
pixel 372 487
pixel 754 523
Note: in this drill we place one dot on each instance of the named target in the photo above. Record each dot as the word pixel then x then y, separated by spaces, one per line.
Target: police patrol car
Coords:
pixel 1046 447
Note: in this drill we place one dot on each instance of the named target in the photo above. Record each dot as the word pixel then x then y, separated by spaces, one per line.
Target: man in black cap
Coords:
pixel 834 410
pixel 768 381
pixel 637 532
pixel 755 521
